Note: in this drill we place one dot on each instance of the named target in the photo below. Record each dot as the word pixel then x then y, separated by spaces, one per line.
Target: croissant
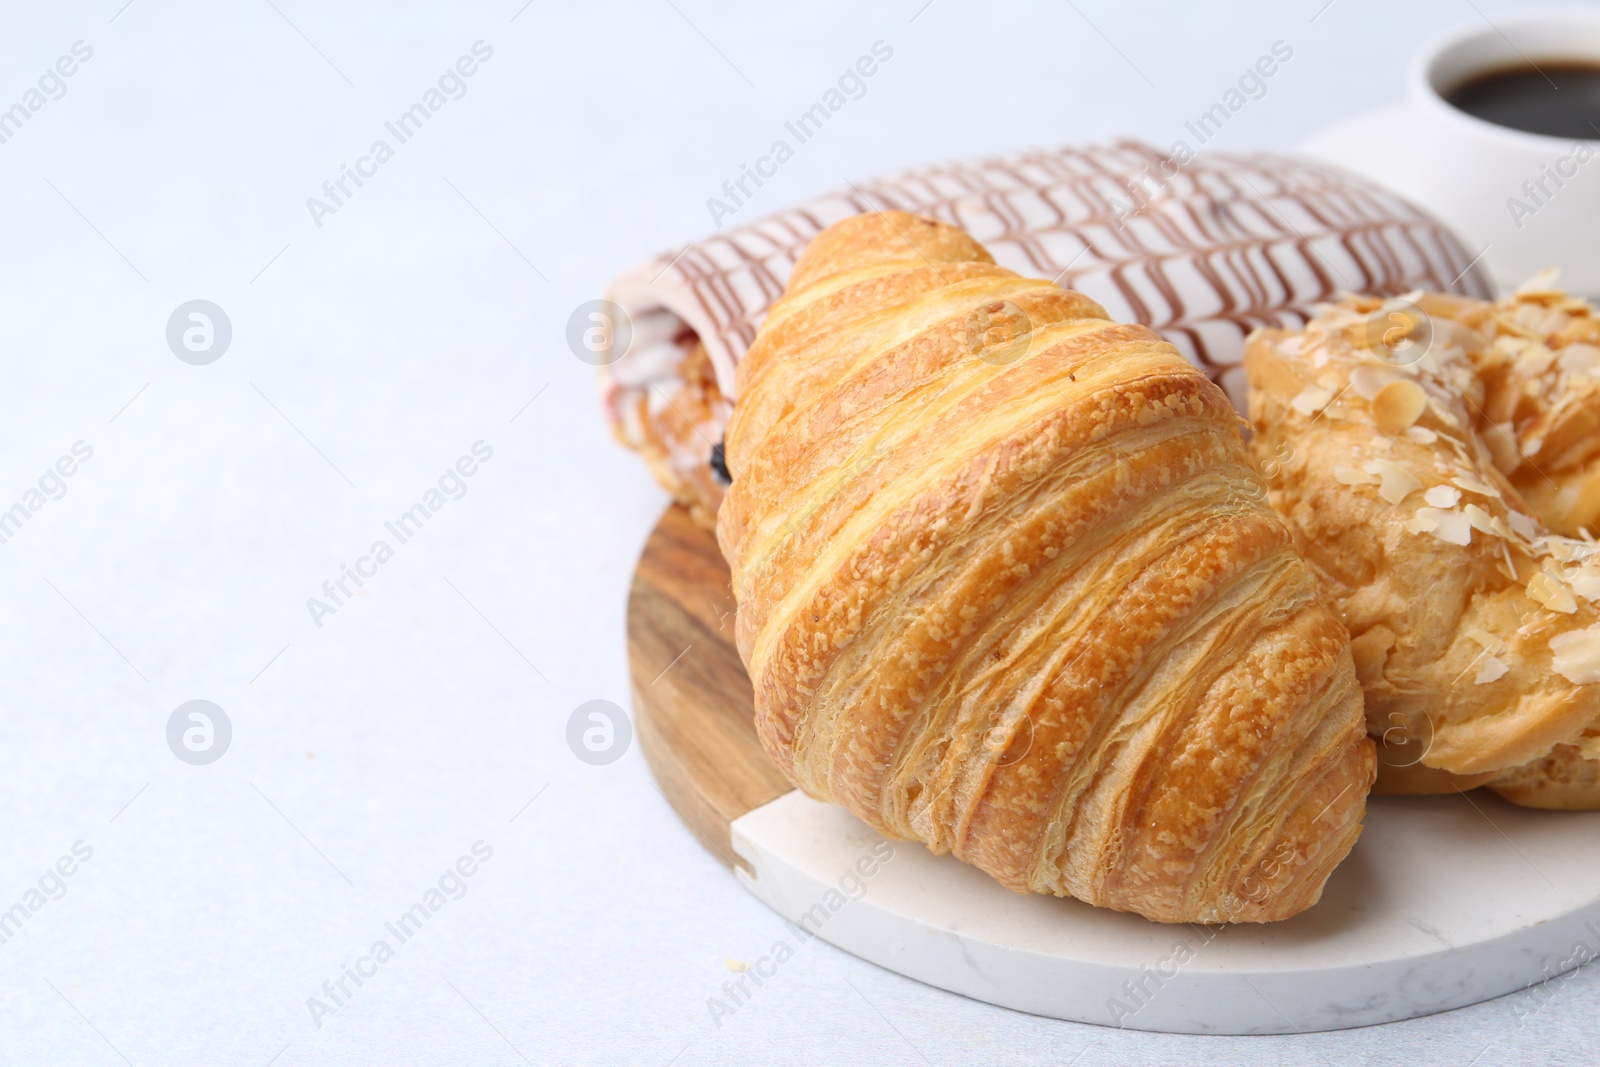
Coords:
pixel 1389 438
pixel 1008 584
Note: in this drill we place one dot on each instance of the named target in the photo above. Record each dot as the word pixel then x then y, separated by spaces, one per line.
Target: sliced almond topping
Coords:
pixel 1580 358
pixel 1576 656
pixel 1487 640
pixel 1481 520
pixel 1508 568
pixel 1351 476
pixel 1509 346
pixel 1472 485
pixel 1551 593
pixel 1490 669
pixel 1421 435
pixel 1443 496
pixel 1515 329
pixel 1564 549
pixel 1311 400
pixel 1525 525
pixel 1368 379
pixel 1451 527
pixel 1396 483
pixel 1398 405
pixel 1586 583
pixel 1482 457
pixel 1535 359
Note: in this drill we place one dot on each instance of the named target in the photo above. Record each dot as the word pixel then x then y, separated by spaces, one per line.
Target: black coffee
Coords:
pixel 1558 99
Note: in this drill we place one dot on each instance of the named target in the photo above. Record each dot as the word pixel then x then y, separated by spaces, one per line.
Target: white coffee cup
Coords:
pixel 1525 201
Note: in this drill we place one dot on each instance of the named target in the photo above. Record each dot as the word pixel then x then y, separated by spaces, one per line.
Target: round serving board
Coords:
pixel 1445 901
pixel 691 697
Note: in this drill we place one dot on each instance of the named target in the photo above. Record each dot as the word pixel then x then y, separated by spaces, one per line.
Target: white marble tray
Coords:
pixel 1445 901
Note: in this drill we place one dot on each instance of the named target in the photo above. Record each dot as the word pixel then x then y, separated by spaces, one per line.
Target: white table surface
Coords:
pixel 368 356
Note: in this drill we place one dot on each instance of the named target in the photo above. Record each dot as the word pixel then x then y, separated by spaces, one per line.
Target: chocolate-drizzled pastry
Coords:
pixel 1203 251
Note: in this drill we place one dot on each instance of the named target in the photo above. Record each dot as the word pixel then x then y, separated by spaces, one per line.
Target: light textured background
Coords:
pixel 374 751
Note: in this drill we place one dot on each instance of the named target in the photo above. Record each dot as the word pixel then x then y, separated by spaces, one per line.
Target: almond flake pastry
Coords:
pixel 1437 460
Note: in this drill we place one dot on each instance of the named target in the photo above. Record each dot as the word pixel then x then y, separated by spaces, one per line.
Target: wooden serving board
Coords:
pixel 691 697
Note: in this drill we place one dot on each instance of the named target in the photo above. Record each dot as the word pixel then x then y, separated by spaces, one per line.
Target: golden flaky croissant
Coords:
pixel 1395 446
pixel 1008 584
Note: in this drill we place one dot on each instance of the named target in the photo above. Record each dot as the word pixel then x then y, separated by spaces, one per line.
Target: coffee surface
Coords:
pixel 1555 99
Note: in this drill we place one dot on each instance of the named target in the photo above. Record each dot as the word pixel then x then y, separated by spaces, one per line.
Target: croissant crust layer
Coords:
pixel 1008 584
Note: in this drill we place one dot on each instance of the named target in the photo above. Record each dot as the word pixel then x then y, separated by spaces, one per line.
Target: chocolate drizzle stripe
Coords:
pixel 1258 238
